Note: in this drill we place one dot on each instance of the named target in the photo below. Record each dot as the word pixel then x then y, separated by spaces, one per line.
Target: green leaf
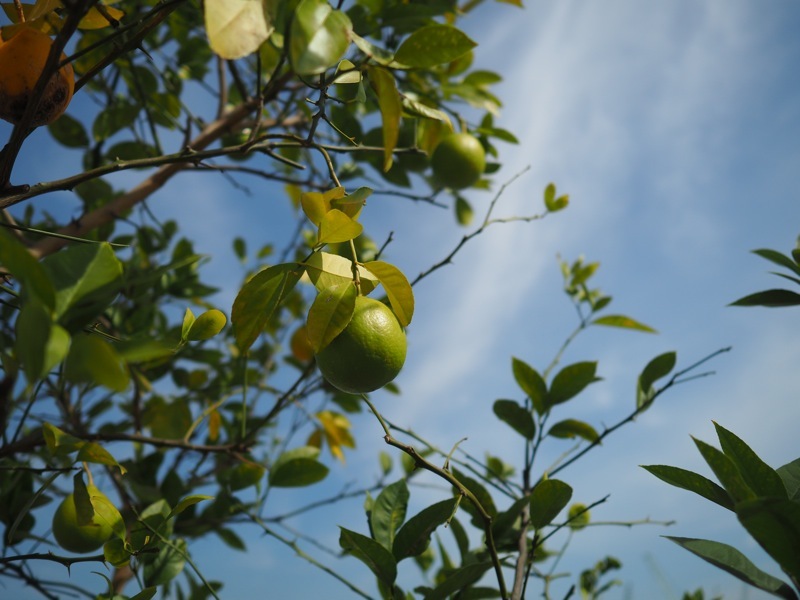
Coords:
pixel 414 536
pixel 327 270
pixel 85 274
pixel 776 298
pixel 548 498
pixel 480 493
pixel 335 227
pixel 790 474
pixel 69 132
pixel 230 539
pixel 775 524
pixel 94 453
pixel 730 560
pixel 168 420
pixel 693 482
pixel 379 560
pixel 20 263
pixel 433 45
pixel 329 314
pixel 59 442
pixel 464 212
pixel 207 325
pixel 779 259
pixel 319 36
pixel 458 580
pixel 186 503
pixel 91 359
pixel 40 344
pixel 146 594
pixel 388 513
pixel 530 382
pixel 516 417
pixel 624 322
pixel 504 522
pixel 188 321
pixel 258 300
pixel 397 289
pixel 572 428
pixel 298 467
pixel 570 381
pixel 382 81
pixel 726 471
pixel 759 476
pixel 167 565
pixel 657 368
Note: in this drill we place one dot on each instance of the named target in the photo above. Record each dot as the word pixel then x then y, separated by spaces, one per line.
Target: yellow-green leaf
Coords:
pixel 433 45
pixel 100 16
pixel 382 81
pixel 336 226
pixel 319 36
pixel 91 359
pixel 314 206
pixel 397 288
pixel 325 270
pixel 236 28
pixel 624 322
pixel 330 313
pixel 207 325
pixel 94 453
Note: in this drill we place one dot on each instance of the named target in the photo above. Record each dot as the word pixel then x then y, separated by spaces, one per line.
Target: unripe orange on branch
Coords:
pixel 458 161
pixel 22 61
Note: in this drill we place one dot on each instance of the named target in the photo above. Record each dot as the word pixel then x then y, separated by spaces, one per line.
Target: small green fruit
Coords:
pixel 458 161
pixel 77 538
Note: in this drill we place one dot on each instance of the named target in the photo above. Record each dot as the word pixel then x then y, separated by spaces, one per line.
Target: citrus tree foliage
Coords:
pixel 128 394
pixel 766 501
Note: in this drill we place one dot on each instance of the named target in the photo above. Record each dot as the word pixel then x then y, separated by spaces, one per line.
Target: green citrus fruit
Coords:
pixel 458 161
pixel 369 353
pixel 77 538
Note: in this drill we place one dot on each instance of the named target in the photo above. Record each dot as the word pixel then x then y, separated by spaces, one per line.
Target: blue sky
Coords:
pixel 674 127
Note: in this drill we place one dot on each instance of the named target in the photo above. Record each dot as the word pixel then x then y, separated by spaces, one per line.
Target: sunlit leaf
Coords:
pixel 329 314
pixel 94 453
pixel 236 28
pixel 382 81
pixel 433 45
pixel 207 325
pixel 319 36
pixel 336 429
pixel 91 359
pixel 397 289
pixel 624 322
pixel 335 227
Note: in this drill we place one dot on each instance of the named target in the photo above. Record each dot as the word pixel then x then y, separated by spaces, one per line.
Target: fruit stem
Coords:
pixel 88 473
pixel 20 11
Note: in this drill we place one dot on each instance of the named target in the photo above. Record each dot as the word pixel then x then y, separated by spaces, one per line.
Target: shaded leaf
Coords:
pixel 572 428
pixel 258 299
pixel 186 503
pixel 790 474
pixel 40 344
pixel 94 453
pixel 776 298
pixel 732 561
pixel 379 560
pixel 530 382
pixel 21 263
pixel 775 524
pixel 458 580
pixel 658 367
pixel 693 482
pixel 570 381
pixel 415 535
pixel 779 259
pixel 548 498
pixel 515 416
pixel 388 513
pixel 167 565
pixel 759 476
pixel 91 359
pixel 725 470
pixel 297 468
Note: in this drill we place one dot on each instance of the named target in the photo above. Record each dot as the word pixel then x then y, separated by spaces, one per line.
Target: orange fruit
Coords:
pixel 22 61
pixel 458 161
pixel 368 353
pixel 300 346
